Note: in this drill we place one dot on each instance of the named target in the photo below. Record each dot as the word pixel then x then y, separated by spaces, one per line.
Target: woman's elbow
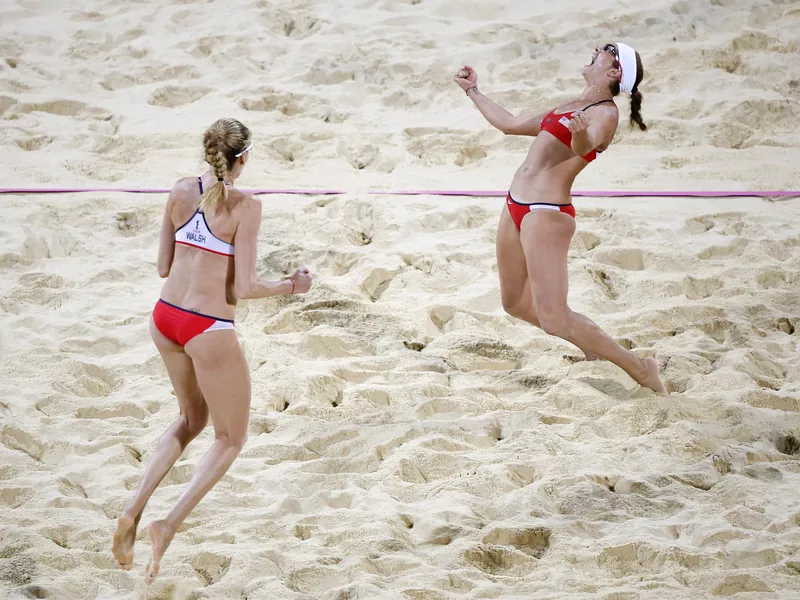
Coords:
pixel 241 290
pixel 163 272
pixel 513 129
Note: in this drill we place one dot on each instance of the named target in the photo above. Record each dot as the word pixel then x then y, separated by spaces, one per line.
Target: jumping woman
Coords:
pixel 538 221
pixel 207 252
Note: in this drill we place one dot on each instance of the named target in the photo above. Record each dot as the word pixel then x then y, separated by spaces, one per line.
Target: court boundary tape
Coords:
pixel 464 193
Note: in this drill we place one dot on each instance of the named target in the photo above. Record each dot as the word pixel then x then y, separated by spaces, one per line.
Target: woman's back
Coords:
pixel 201 277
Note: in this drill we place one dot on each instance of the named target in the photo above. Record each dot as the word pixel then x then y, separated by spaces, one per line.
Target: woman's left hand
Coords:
pixel 579 122
pixel 466 77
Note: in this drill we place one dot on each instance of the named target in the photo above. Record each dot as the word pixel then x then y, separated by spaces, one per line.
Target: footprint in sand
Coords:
pixel 631 559
pixel 315 580
pixel 93 381
pixel 696 288
pixel 607 281
pixel 43 289
pixel 117 410
pixel 65 108
pixel 325 445
pixel 359 156
pixel 733 250
pixel 584 241
pixel 6 103
pixel 295 24
pixel 274 454
pixel 34 142
pixel 500 560
pixel 521 475
pixel 533 541
pixel 120 80
pixel 20 570
pixel 289 104
pixel 131 222
pixel 466 352
pixel 88 44
pixel 171 96
pixel 733 585
pixel 338 263
pixel 15 497
pixel 210 567
pixel 22 441
pixel 68 487
pixel 470 153
pixel 377 280
pixel 779 278
pixel 91 16
pixel 629 259
pixel 788 444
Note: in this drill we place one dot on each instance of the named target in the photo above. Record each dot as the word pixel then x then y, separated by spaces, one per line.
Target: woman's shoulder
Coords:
pixel 181 191
pixel 245 203
pixel 188 183
pixel 184 187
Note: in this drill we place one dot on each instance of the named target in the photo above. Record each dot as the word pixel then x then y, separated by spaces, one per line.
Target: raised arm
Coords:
pixel 166 242
pixel 247 284
pixel 528 123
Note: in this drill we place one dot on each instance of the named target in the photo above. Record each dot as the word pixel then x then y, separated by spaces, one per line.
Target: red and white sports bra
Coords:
pixel 196 233
pixel 556 124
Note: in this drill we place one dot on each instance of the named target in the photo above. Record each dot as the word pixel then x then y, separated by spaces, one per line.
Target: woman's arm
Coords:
pixel 589 133
pixel 528 123
pixel 166 243
pixel 246 284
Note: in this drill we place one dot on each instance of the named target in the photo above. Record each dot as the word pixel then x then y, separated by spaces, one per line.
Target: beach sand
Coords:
pixel 408 439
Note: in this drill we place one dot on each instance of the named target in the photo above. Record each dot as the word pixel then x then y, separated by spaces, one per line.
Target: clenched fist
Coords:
pixel 579 122
pixel 466 77
pixel 302 280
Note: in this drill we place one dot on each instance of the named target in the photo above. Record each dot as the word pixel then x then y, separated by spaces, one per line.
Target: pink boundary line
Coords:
pixel 470 193
pixel 605 193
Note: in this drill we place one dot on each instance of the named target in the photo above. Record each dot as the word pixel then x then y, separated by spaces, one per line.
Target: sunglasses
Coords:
pixel 610 48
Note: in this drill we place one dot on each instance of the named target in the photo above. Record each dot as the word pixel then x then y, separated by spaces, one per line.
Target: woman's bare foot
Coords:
pixel 124 539
pixel 651 378
pixel 160 536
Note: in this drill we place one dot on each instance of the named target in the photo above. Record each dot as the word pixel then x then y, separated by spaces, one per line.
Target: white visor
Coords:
pixel 246 148
pixel 627 65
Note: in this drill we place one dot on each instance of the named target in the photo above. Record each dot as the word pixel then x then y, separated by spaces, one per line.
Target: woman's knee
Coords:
pixel 523 311
pixel 236 440
pixel 511 306
pixel 555 321
pixel 197 420
pixel 192 423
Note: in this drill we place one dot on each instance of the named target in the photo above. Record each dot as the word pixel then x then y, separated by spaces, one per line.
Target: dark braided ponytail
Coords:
pixel 636 97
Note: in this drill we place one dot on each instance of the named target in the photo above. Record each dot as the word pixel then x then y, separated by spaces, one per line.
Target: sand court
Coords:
pixel 408 440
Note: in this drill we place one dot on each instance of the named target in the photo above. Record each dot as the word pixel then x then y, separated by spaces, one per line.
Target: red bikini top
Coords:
pixel 556 124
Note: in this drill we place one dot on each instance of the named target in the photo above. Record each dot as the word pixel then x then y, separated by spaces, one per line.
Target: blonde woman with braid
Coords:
pixel 207 253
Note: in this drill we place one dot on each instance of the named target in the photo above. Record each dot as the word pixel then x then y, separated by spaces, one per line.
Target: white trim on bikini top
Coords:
pixel 196 233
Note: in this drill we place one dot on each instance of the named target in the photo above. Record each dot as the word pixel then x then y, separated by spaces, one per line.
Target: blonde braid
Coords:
pixel 217 194
pixel 223 140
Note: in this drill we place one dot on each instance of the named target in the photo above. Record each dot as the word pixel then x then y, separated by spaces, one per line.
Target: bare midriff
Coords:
pixel 548 172
pixel 202 282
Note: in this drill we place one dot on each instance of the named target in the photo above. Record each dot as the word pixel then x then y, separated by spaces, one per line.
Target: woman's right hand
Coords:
pixel 302 280
pixel 466 77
